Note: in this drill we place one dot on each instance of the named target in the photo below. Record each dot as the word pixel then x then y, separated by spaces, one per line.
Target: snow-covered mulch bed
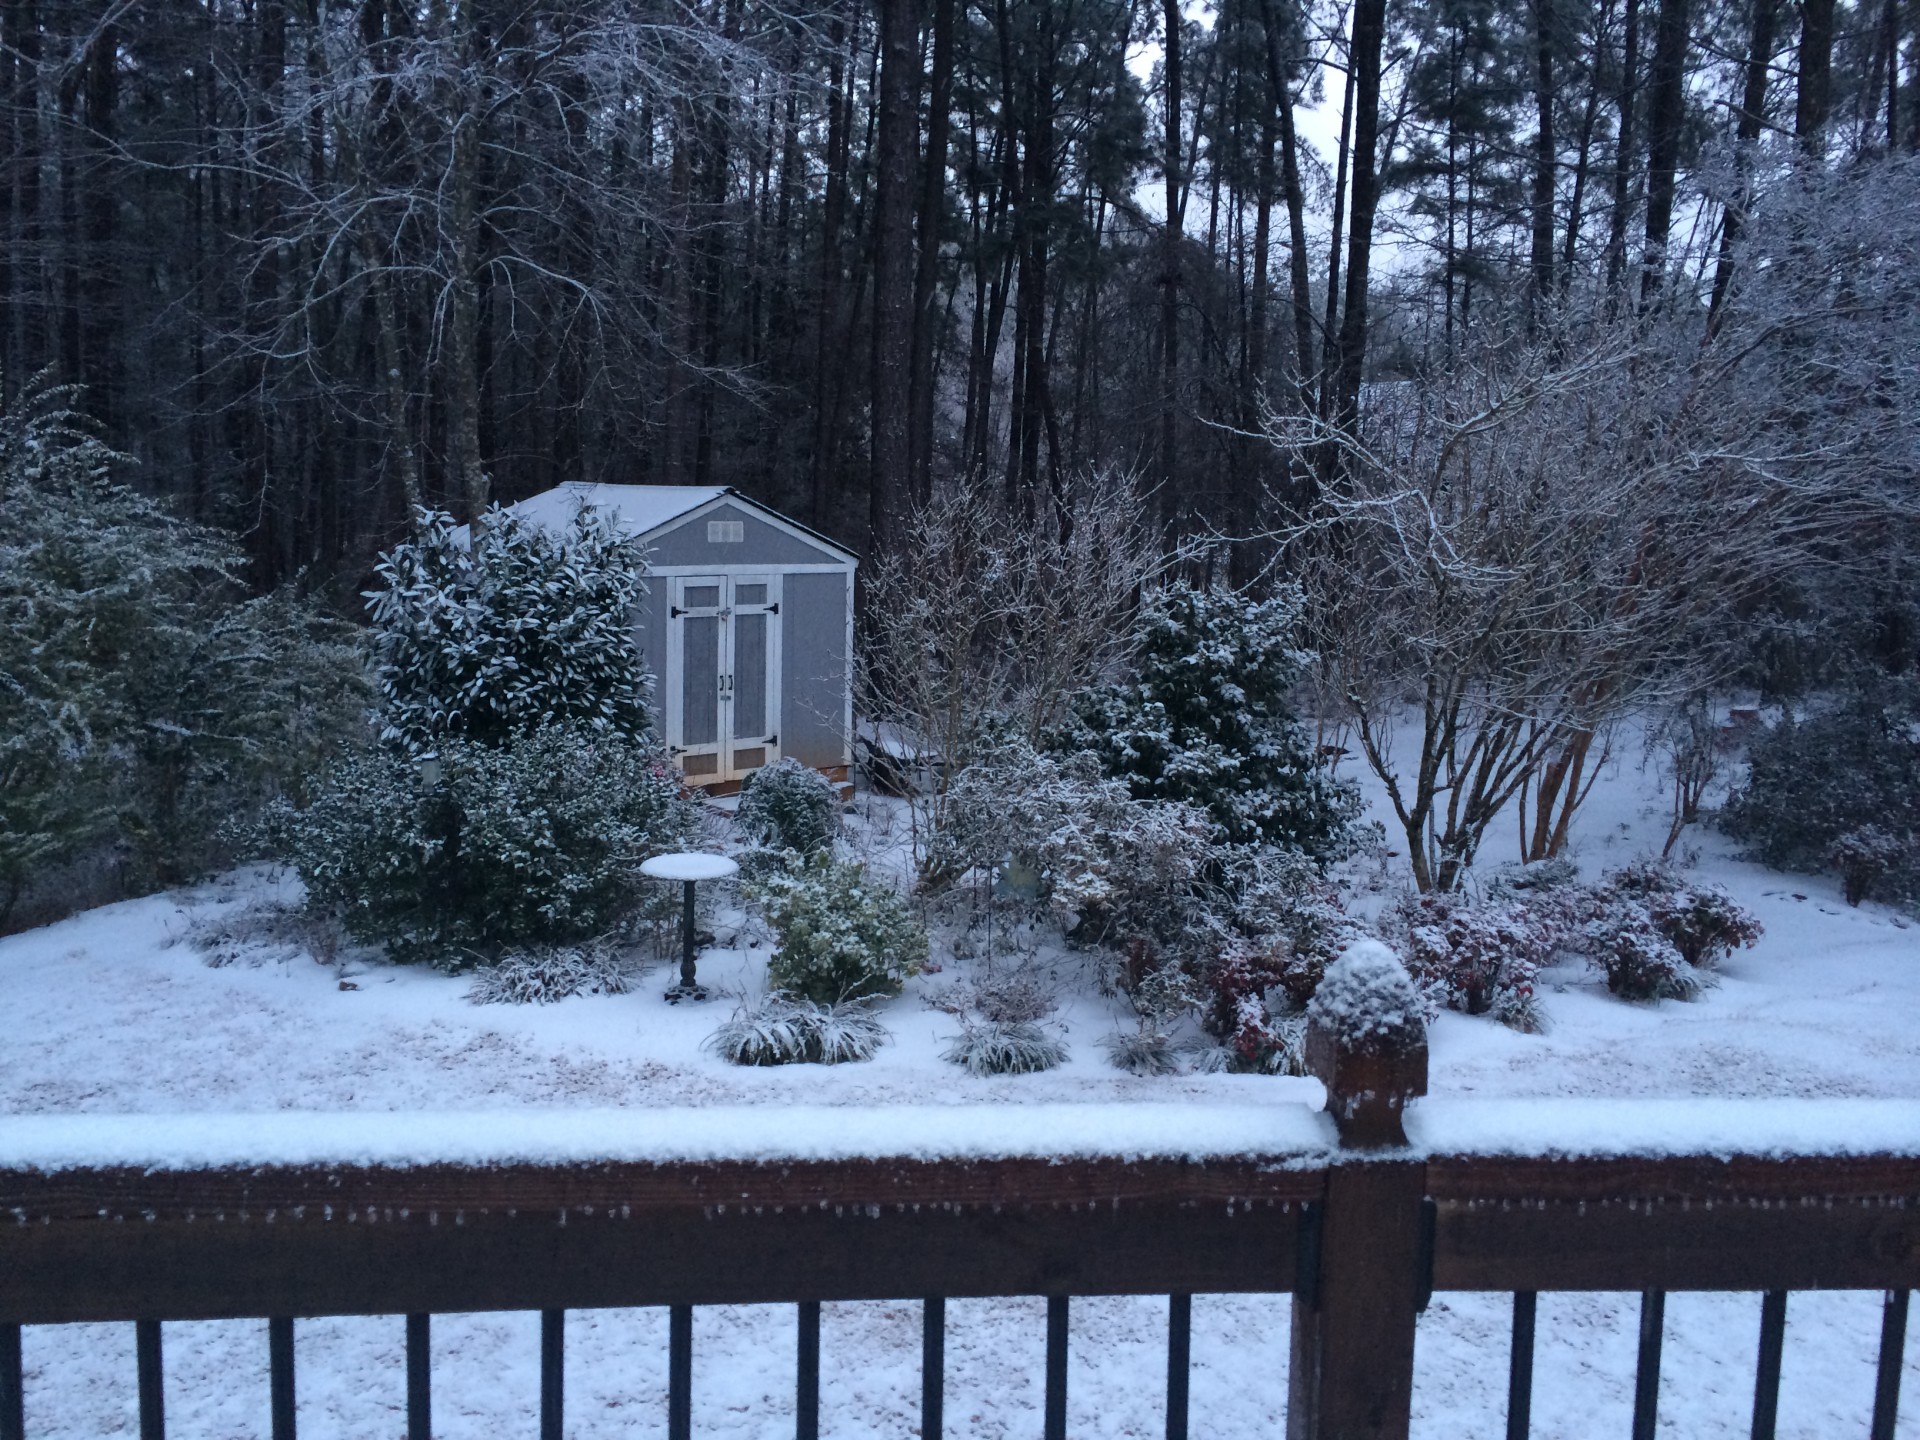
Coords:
pixel 114 1013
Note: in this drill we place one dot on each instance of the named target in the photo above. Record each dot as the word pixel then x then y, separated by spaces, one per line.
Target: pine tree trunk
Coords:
pixel 893 272
pixel 1752 116
pixel 933 194
pixel 1665 115
pixel 1623 150
pixel 1813 94
pixel 1369 30
pixel 1545 161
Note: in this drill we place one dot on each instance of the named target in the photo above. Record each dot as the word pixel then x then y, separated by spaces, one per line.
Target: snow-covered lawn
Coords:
pixel 113 1012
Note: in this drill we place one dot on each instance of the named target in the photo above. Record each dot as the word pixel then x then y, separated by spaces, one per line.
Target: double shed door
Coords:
pixel 723 680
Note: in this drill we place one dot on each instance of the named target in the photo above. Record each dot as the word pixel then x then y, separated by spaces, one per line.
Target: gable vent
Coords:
pixel 726 532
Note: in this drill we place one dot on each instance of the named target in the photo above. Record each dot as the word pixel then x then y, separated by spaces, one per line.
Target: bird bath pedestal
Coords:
pixel 689 869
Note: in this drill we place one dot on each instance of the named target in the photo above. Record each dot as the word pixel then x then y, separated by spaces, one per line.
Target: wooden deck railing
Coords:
pixel 1360 1235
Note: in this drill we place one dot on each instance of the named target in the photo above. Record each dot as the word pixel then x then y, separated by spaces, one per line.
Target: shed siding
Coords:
pixel 813 670
pixel 686 543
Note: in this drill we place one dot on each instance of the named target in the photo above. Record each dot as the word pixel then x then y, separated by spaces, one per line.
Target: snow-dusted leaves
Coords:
pixel 517 627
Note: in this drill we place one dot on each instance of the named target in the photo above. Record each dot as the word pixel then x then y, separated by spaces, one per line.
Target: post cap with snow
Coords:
pixel 1367 1042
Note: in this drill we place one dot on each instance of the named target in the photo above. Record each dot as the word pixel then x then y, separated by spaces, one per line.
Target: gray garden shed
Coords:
pixel 747 626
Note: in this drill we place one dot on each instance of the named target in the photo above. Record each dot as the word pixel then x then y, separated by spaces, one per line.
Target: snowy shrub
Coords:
pixel 1368 999
pixel 1106 864
pixel 148 706
pixel 1812 781
pixel 518 628
pixel 842 934
pixel 530 843
pixel 789 806
pixel 1209 721
pixel 1639 962
pixel 1864 854
pixel 1700 921
pixel 780 1029
pixel 1478 956
pixel 1280 903
pixel 1237 1012
pixel 1005 1047
pixel 542 974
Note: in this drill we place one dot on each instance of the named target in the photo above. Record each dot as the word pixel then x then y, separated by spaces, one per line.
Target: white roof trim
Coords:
pixel 645 511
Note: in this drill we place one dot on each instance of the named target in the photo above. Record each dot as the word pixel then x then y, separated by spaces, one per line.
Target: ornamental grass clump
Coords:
pixel 540 975
pixel 781 1029
pixel 1005 1047
pixel 842 934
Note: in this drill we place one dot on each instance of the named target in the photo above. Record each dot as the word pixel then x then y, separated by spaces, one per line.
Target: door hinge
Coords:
pixel 774 608
pixel 674 612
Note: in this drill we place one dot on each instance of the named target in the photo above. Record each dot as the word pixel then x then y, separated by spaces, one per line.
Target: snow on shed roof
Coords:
pixel 640 510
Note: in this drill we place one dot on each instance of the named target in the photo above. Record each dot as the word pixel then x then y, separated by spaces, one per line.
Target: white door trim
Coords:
pixel 728 579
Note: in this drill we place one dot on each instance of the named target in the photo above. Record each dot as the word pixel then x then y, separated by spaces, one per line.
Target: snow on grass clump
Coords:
pixel 1005 1047
pixel 554 972
pixel 1367 998
pixel 781 1029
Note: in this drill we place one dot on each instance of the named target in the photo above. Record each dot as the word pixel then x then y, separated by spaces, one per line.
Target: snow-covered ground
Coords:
pixel 113 1012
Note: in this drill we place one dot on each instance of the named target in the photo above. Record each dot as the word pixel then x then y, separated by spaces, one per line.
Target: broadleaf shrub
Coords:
pixel 533 843
pixel 842 934
pixel 519 628
pixel 1849 769
pixel 789 806
pixel 1478 956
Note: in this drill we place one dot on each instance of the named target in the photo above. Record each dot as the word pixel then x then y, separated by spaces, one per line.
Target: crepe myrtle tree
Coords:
pixel 1555 533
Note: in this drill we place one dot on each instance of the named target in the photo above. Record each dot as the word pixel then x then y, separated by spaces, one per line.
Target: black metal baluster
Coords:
pixel 153 1407
pixel 13 1388
pixel 1056 1412
pixel 1766 1376
pixel 1646 1379
pixel 1893 1350
pixel 280 1375
pixel 1179 1363
pixel 1526 1308
pixel 553 1372
pixel 933 1367
pixel 419 1377
pixel 680 1372
pixel 806 1390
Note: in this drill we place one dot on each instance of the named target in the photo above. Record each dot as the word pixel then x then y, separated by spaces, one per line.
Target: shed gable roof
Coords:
pixel 642 511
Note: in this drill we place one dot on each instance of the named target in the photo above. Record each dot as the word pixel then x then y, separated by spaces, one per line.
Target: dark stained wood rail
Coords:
pixel 1360 1235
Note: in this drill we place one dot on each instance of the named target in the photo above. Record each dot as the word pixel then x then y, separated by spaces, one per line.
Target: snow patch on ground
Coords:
pixel 110 1014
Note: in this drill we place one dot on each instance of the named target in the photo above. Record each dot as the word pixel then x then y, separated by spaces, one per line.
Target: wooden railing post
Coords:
pixel 1352 1356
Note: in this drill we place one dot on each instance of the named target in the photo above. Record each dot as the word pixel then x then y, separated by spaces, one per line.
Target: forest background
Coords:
pixel 316 262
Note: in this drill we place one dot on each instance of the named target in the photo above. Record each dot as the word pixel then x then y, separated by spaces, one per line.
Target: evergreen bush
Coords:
pixel 519 627
pixel 1813 781
pixel 789 806
pixel 485 848
pixel 1209 721
pixel 842 935
pixel 148 706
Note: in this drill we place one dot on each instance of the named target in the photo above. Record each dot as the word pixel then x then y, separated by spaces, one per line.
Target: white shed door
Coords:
pixel 723 675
